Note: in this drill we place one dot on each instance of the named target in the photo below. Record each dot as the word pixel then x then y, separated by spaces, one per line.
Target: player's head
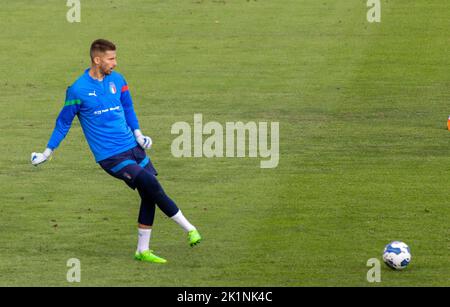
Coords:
pixel 103 55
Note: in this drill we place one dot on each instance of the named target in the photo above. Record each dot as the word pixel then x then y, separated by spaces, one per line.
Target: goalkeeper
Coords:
pixel 102 101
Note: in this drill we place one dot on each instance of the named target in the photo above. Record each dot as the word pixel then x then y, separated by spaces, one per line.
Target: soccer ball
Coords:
pixel 397 255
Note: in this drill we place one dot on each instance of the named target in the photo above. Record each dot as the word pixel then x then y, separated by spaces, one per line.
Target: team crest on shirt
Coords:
pixel 112 88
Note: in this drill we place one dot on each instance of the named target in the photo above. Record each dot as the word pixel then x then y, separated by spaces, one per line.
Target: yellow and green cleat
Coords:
pixel 194 237
pixel 148 256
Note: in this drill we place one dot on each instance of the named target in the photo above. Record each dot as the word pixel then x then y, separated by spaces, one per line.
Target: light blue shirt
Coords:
pixel 106 114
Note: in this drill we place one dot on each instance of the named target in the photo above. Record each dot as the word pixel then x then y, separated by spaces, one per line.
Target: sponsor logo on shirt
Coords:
pixel 99 112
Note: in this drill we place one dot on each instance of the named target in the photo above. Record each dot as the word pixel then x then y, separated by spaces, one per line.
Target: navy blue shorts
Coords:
pixel 127 165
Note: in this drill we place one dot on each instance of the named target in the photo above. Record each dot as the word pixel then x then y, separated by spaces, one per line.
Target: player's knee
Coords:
pixel 147 182
pixel 145 179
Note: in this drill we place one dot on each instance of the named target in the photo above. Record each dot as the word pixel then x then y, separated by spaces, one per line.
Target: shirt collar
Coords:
pixel 86 72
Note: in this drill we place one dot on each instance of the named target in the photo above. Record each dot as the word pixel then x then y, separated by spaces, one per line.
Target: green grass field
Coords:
pixel 364 150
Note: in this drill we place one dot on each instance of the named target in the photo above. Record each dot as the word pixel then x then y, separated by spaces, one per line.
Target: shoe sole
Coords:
pixel 139 259
pixel 195 243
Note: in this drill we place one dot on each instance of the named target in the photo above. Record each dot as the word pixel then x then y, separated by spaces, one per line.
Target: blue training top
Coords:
pixel 106 114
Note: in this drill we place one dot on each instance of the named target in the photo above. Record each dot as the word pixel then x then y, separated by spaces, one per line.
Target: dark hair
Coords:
pixel 101 45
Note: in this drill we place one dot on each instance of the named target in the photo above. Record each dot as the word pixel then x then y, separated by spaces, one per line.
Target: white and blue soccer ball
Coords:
pixel 397 255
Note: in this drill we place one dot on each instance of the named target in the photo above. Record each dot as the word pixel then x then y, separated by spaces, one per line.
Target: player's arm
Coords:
pixel 62 126
pixel 130 115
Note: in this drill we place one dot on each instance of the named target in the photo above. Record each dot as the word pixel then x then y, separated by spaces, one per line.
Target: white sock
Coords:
pixel 143 239
pixel 182 221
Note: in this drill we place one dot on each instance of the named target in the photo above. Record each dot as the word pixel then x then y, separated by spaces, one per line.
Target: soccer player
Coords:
pixel 102 101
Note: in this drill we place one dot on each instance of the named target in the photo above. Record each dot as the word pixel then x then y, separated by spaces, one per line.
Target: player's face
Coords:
pixel 108 61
